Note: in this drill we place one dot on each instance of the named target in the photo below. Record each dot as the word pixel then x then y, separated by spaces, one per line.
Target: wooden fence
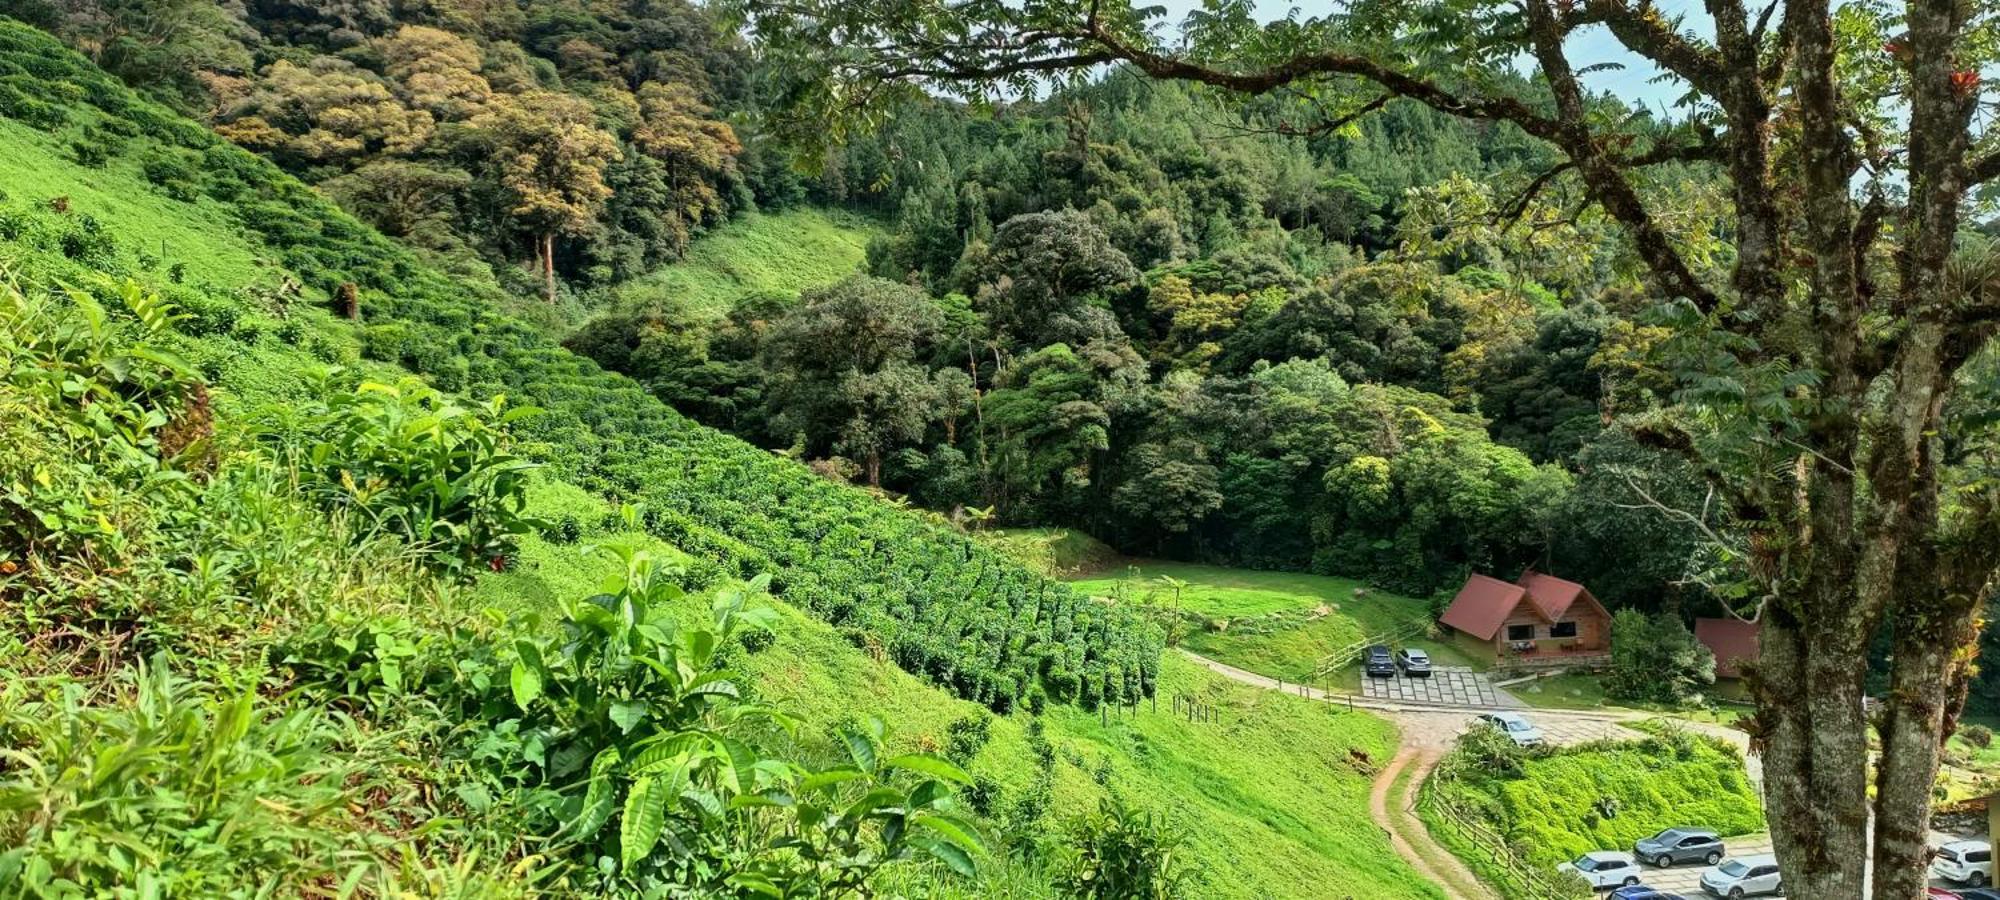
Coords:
pixel 1523 880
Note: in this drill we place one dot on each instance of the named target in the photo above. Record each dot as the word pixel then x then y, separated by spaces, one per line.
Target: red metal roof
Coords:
pixel 1733 641
pixel 1553 596
pixel 1481 605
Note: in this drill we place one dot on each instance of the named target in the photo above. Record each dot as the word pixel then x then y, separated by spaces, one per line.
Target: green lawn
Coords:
pixel 1586 691
pixel 1056 552
pixel 1274 623
pixel 785 252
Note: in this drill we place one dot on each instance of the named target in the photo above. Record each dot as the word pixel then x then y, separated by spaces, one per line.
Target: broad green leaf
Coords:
pixel 927 764
pixel 946 852
pixel 830 777
pixel 645 816
pixel 952 829
pixel 860 749
pixel 527 684
pixel 629 714
pixel 598 798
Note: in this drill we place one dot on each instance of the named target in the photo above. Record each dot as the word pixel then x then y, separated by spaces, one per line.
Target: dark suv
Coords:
pixel 1377 662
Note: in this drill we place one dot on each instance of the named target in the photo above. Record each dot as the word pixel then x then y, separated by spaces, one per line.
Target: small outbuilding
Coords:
pixel 1534 620
pixel 1733 641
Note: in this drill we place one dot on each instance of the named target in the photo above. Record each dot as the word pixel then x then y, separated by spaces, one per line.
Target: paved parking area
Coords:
pixel 1440 730
pixel 1686 880
pixel 1447 686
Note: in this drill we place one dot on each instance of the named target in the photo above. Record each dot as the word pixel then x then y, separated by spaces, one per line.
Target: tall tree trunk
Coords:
pixel 875 468
pixel 547 252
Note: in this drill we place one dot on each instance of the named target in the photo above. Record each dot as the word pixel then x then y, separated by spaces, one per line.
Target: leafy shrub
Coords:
pixel 88 404
pixel 1121 853
pixel 414 463
pixel 641 751
pixel 1977 735
pixel 173 793
pixel 173 173
pixel 966 736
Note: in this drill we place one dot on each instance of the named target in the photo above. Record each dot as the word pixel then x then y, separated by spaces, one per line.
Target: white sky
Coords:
pixel 1590 46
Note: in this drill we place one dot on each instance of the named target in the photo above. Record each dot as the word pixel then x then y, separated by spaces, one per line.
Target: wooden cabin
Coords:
pixel 1535 621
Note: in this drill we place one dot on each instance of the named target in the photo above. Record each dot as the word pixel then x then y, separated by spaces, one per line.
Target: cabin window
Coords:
pixel 1520 632
pixel 1563 630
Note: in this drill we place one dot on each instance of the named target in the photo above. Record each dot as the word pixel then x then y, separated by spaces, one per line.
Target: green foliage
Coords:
pixel 171 791
pixel 1123 853
pixel 411 461
pixel 80 383
pixel 625 736
pixel 1656 659
pixel 1555 804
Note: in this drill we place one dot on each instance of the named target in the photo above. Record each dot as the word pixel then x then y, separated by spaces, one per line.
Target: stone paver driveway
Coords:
pixel 1439 730
pixel 1447 686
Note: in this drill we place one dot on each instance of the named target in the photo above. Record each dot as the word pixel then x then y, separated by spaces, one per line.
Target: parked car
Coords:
pixel 1681 845
pixel 1414 663
pixel 1964 862
pixel 1938 893
pixel 1978 894
pixel 1515 726
pixel 1604 869
pixel 1642 892
pixel 1377 662
pixel 1744 876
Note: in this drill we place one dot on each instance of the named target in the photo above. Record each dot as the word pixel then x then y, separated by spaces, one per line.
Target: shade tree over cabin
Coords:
pixel 1821 322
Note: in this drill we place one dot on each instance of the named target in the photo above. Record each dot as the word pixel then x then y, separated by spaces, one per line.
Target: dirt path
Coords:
pixel 1394 811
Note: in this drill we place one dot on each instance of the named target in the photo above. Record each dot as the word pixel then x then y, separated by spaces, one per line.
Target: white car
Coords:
pixel 1964 862
pixel 1604 869
pixel 1514 726
pixel 1743 876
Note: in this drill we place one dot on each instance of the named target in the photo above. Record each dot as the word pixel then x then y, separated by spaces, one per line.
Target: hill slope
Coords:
pixel 1267 791
pixel 942 604
pixel 783 252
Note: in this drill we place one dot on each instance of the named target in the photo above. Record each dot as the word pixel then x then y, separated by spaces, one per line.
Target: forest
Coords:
pixel 1271 295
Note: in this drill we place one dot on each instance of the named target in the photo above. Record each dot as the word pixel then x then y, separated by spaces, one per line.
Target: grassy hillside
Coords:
pixel 1055 552
pixel 358 791
pixel 1275 623
pixel 783 252
pixel 940 603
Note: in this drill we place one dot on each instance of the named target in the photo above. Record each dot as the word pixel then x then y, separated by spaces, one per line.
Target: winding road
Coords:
pixel 1429 730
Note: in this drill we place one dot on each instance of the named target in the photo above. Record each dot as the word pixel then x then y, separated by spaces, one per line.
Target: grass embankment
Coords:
pixel 1272 794
pixel 1055 552
pixel 1556 804
pixel 782 252
pixel 1279 624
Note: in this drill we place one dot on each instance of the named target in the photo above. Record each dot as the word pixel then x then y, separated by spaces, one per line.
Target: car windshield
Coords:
pixel 1735 868
pixel 1948 855
pixel 1517 725
pixel 1585 864
pixel 1668 836
pixel 1418 656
